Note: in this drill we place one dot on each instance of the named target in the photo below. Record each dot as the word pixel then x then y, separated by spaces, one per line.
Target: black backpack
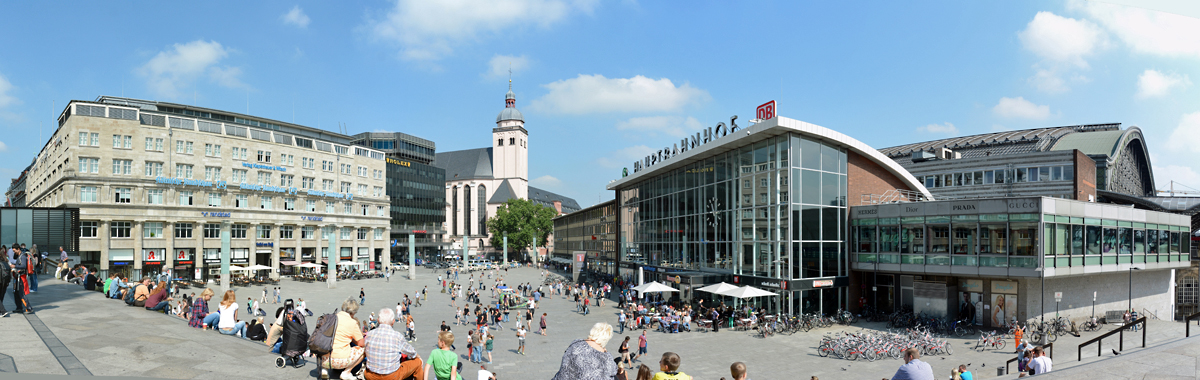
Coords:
pixel 321 340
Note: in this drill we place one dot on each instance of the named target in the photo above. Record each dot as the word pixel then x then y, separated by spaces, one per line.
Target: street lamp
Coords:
pixel 1131 269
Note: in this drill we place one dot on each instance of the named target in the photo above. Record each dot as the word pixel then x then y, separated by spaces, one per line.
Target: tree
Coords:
pixel 528 224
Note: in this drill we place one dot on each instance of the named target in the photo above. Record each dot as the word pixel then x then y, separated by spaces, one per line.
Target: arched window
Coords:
pixel 466 212
pixel 482 190
pixel 454 211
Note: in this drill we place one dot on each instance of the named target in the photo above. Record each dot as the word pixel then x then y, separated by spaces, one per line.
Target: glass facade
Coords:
pixel 774 209
pixel 418 195
pixel 991 240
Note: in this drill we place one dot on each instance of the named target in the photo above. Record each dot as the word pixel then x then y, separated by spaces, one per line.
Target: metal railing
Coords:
pixel 892 196
pixel 1121 340
pixel 1187 329
pixel 1048 347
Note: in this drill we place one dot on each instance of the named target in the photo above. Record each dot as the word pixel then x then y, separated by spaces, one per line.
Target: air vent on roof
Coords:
pixel 922 156
pixel 947 154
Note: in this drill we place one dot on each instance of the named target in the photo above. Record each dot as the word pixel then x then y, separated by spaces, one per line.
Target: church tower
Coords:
pixel 510 147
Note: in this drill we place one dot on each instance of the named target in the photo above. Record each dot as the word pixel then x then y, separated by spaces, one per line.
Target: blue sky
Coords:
pixel 601 82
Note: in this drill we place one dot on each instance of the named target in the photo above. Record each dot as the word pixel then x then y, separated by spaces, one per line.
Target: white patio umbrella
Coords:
pixel 235 267
pixel 718 288
pixel 311 265
pixel 748 292
pixel 345 263
pixel 259 267
pixel 654 287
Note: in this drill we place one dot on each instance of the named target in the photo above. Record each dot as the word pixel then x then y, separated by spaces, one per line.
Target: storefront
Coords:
pixel 766 203
pixel 120 261
pixel 152 261
pixel 212 264
pixel 185 264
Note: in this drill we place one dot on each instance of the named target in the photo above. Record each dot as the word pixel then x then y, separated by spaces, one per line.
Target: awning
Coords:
pixel 748 292
pixel 288 263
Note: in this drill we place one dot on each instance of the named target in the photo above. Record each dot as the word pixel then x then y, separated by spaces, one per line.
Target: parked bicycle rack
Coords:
pixel 1121 341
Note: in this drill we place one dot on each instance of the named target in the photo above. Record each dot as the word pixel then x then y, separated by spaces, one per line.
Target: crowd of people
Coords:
pixel 588 359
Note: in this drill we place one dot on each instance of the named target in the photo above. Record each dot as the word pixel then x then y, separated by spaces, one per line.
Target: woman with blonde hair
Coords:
pixel 200 318
pixel 587 359
pixel 998 311
pixel 229 325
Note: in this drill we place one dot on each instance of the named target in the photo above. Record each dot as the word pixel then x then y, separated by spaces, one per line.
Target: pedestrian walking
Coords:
pixel 24 263
pixel 520 339
pixel 643 345
pixel 543 324
pixel 621 321
pixel 362 296
pixel 624 351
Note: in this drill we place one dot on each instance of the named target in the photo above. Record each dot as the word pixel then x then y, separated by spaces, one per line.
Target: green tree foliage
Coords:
pixel 528 225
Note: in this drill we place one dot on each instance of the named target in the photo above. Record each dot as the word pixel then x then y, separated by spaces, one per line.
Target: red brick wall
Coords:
pixel 867 177
pixel 1085 176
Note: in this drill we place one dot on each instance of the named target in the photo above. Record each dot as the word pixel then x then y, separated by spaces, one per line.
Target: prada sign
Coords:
pixel 705 136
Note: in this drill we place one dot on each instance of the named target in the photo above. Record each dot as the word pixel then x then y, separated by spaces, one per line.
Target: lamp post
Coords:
pixel 1131 269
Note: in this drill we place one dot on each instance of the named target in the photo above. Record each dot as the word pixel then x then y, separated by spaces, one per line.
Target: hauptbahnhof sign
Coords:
pixel 705 136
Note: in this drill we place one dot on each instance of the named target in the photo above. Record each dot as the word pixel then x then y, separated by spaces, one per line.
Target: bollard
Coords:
pixel 1000 371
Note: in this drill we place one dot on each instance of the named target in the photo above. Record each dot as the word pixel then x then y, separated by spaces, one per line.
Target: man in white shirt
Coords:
pixel 1041 363
pixel 484 374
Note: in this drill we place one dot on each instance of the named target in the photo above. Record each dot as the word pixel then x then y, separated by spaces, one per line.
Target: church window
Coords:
pixel 500 142
pixel 512 141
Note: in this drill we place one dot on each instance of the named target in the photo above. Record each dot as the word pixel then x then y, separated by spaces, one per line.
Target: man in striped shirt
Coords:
pixel 389 356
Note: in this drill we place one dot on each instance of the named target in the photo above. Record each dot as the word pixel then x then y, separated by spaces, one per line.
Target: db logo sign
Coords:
pixel 765 111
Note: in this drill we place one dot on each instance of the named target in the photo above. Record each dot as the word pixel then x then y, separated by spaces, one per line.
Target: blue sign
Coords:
pixel 267 167
pixel 330 194
pixel 261 244
pixel 215 214
pixel 268 188
pixel 190 182
pixel 312 218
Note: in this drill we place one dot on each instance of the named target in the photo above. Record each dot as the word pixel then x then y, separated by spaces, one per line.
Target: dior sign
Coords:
pixel 705 136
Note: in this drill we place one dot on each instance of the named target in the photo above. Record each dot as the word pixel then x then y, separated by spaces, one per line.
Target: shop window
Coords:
pixel 88 229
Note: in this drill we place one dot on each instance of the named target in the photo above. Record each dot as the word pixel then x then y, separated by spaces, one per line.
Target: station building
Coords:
pixel 164 185
pixel 416 190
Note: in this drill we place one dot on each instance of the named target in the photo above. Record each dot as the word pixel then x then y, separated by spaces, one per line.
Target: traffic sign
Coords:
pixel 1057 296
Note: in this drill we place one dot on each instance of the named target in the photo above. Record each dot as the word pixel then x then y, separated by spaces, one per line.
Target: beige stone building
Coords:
pixel 162 185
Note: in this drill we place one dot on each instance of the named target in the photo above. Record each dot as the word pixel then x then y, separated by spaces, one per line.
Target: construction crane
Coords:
pixel 1172 191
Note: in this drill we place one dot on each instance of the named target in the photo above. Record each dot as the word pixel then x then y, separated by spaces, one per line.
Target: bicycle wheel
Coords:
pixel 840 352
pixel 949 347
pixel 871 355
pixel 1052 337
pixel 894 352
pixel 979 345
pixel 823 350
pixel 1000 344
pixel 959 331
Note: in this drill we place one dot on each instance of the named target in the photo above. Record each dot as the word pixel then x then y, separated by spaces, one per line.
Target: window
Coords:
pixel 87 194
pixel 264 178
pixel 1056 173
pixel 122 194
pixel 214 200
pixel 346 233
pixel 307 232
pixel 285 232
pixel 185 198
pixel 311 205
pixel 122 167
pixel 287 159
pixel 152 230
pixel 378 234
pixel 307 183
pixel 119 229
pixel 362 234
pixel 500 142
pixel 154 169
pixel 238 231
pixel 88 229
pixel 327 232
pixel 327 185
pixel 378 174
pixel 306 162
pixel 239 176
pixel 238 153
pixel 286 180
pixel 289 204
pixel 212 173
pixel 327 166
pixel 212 150
pixel 347 208
pixel 86 139
pixel 377 191
pixel 154 144
pixel 241 201
pixel 264 156
pixel 89 165
pixel 116 141
pixel 212 231
pixel 362 171
pixel 512 141
pixel 762 182
pixel 365 209
pixel 380 210
pixel 265 203
pixel 362 189
pixel 264 232
pixel 346 168
pixel 154 196
pixel 183 171
pixel 180 146
pixel 330 207
pixel 345 188
pixel 183 230
pixel 1068 173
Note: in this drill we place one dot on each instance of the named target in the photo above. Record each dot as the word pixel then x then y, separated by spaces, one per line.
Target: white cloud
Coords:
pixel 1061 39
pixel 5 88
pixel 179 66
pixel 674 126
pixel 547 182
pixel 1049 82
pixel 499 65
pixel 1153 83
pixel 1020 108
pixel 943 129
pixel 1147 31
pixel 596 94
pixel 295 17
pixel 3 147
pixel 1186 136
pixel 624 157
pixel 429 30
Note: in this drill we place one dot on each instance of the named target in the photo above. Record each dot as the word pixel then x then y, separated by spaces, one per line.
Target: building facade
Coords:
pixel 416 189
pixel 993 260
pixel 478 181
pixel 162 185
pixel 764 206
pixel 591 231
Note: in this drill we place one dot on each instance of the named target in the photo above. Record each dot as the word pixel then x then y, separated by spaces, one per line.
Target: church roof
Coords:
pixel 547 198
pixel 510 113
pixel 503 193
pixel 465 164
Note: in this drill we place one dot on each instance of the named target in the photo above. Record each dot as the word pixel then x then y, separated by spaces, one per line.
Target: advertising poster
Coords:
pixel 1003 308
pixel 970 307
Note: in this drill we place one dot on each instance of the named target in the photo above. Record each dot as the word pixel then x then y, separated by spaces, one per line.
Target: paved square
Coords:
pixel 111 339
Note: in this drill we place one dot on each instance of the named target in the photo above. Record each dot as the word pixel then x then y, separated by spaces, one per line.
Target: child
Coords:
pixel 521 339
pixel 442 362
pixel 488 346
pixel 670 368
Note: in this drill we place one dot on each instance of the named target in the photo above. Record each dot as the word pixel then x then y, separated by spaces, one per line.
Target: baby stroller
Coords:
pixel 294 338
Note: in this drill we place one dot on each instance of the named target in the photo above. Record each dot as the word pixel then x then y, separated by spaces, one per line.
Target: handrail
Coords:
pixel 1187 329
pixel 1121 341
pixel 1149 314
pixel 1049 346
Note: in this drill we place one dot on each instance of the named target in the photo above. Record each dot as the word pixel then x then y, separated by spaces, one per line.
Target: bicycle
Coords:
pixel 990 339
pixel 1090 325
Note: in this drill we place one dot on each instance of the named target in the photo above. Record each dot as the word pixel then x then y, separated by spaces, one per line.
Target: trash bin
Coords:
pixel 1000 371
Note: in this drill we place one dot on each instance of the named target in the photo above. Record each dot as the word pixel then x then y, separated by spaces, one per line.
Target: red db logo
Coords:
pixel 765 111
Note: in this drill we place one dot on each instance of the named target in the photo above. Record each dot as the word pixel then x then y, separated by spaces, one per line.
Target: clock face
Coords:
pixel 713 217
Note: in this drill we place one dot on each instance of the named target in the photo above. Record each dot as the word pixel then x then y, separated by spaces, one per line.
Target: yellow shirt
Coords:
pixel 676 376
pixel 347 331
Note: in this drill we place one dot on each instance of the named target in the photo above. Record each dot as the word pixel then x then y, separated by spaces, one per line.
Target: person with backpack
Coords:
pixel 5 278
pixel 24 264
pixel 341 355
